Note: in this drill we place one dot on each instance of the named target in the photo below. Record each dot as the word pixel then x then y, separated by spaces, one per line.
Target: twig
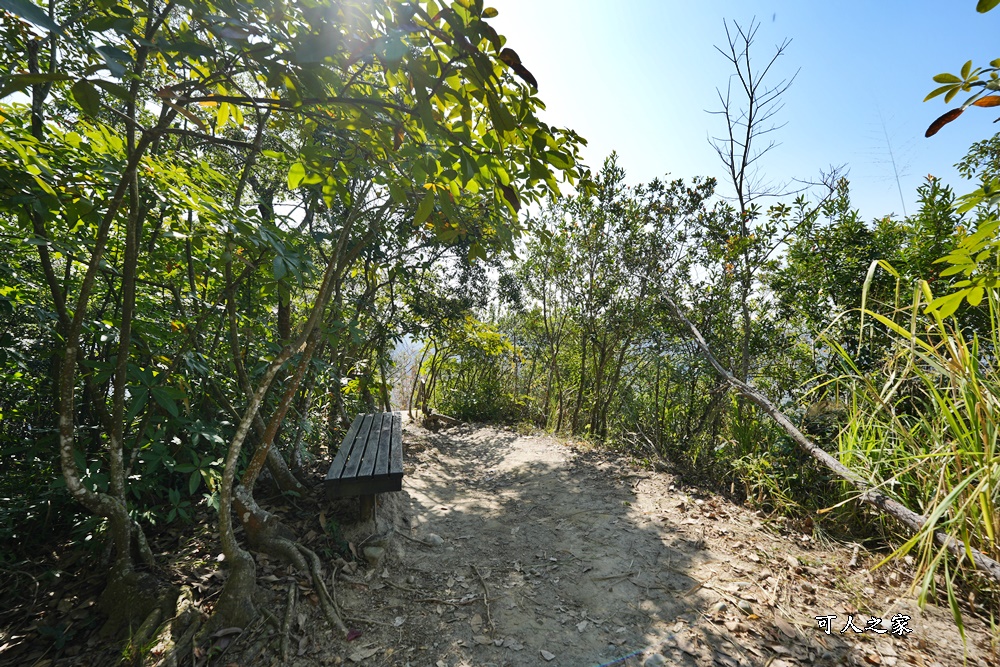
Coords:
pixel 453 603
pixel 286 625
pixel 411 538
pixel 353 581
pixel 486 597
pixel 625 575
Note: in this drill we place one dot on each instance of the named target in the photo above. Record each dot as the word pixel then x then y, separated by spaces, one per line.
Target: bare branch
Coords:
pixel 746 122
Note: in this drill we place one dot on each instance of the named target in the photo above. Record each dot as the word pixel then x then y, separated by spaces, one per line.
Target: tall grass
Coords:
pixel 925 429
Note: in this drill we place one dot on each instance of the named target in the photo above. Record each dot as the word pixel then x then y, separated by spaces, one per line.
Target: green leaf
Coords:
pixel 194 481
pixel 116 60
pixel 939 91
pixel 162 396
pixel 139 398
pixel 952 270
pixel 17 82
pixel 491 12
pixel 424 208
pixel 966 68
pixel 975 296
pixel 118 91
pixel 279 268
pixel 87 97
pixel 947 78
pixel 32 13
pixel 222 117
pixel 946 305
pixel 984 6
pixel 296 174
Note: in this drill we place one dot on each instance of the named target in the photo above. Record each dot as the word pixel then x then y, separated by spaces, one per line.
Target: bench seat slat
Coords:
pixel 337 468
pixel 370 459
pixel 384 445
pixel 373 446
pixel 358 448
pixel 396 453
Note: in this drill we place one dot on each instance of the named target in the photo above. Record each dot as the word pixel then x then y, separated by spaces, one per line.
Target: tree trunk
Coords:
pixel 575 420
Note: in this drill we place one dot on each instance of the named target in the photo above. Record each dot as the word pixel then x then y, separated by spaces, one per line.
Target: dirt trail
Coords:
pixel 588 561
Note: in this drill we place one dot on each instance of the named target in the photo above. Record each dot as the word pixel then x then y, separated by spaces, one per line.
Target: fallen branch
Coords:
pixel 869 494
pixel 486 597
pixel 434 420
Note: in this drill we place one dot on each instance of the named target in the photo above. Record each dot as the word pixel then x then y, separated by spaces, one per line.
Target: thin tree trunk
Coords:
pixel 575 420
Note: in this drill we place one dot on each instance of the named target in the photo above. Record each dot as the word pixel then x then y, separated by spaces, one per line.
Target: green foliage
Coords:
pixel 922 426
pixel 975 255
pixel 479 382
pixel 173 180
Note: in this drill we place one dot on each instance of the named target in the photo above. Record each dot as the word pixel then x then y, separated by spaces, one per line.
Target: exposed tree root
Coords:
pixel 182 647
pixel 132 595
pixel 175 637
pixel 326 600
pixel 266 534
pixel 145 631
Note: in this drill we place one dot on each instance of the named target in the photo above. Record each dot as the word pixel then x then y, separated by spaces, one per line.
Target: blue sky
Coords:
pixel 637 76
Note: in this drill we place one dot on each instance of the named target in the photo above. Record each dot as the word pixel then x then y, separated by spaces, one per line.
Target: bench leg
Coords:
pixel 367 507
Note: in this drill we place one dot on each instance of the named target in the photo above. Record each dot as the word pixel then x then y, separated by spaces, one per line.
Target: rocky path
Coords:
pixel 522 550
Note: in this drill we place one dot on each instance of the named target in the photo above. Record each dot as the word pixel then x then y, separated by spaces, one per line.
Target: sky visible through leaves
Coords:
pixel 638 76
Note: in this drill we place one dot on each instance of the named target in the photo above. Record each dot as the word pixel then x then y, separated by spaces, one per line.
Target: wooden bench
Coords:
pixel 369 461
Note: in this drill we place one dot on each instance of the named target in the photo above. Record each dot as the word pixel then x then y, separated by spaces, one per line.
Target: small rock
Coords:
pixel 483 640
pixel 582 625
pixel 512 644
pixel 434 540
pixel 549 657
pixel 717 608
pixel 745 607
pixel 655 660
pixel 373 555
pixel 736 626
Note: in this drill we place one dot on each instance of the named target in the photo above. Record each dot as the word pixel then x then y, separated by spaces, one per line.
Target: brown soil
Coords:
pixel 585 560
pixel 508 549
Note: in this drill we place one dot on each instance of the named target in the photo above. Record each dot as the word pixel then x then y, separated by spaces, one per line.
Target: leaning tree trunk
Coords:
pixel 869 493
